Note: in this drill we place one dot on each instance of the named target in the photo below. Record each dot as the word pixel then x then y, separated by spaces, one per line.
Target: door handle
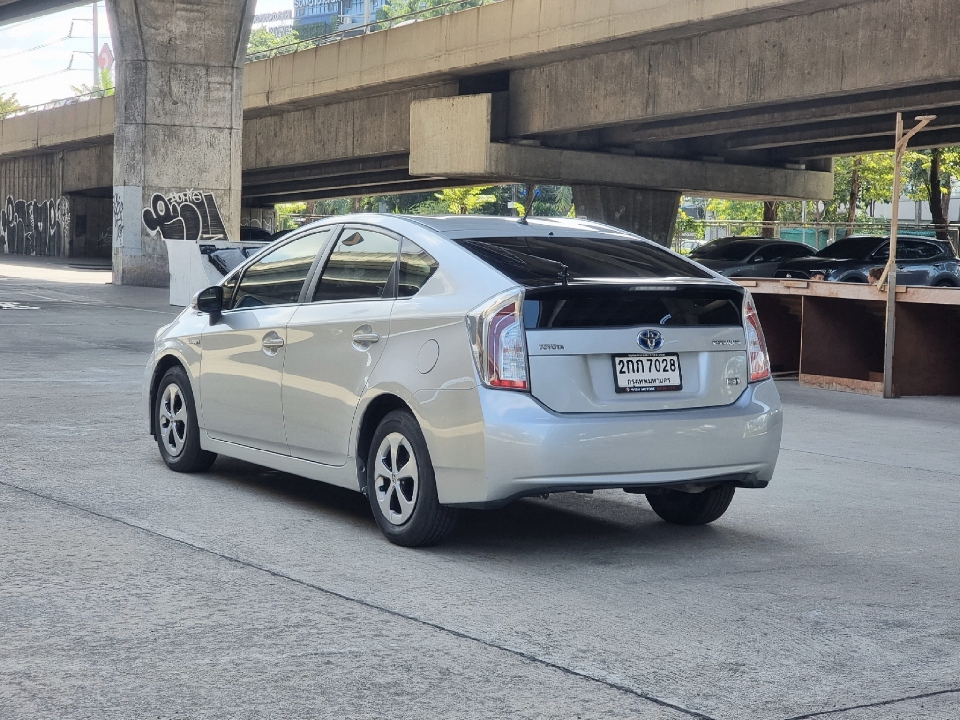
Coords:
pixel 272 343
pixel 366 337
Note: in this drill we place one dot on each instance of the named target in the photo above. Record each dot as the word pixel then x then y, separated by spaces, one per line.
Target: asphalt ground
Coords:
pixel 129 591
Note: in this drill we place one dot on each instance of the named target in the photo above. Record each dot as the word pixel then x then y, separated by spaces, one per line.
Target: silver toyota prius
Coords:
pixel 437 363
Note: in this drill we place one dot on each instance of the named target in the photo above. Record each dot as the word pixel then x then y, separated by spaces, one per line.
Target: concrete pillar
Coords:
pixel 649 213
pixel 177 142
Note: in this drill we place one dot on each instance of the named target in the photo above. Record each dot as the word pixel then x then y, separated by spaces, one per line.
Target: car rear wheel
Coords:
pixel 177 431
pixel 401 485
pixel 682 508
pixel 944 283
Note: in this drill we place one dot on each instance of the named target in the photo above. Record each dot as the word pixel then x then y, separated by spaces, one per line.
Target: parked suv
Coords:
pixel 448 362
pixel 920 261
pixel 750 257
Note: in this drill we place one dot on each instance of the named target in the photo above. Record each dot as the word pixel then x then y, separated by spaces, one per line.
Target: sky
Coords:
pixel 35 54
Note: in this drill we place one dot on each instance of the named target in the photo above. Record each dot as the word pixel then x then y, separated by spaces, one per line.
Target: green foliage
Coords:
pixel 916 172
pixel 428 8
pixel 286 213
pixel 688 226
pixel 465 201
pixel 549 201
pixel 738 210
pixel 103 88
pixel 264 43
pixel 8 104
pixel 876 178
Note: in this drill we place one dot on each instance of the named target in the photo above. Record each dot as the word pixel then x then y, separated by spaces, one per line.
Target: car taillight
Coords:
pixel 497 336
pixel 756 344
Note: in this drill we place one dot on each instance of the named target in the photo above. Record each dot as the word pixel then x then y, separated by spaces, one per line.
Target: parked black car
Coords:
pixel 749 257
pixel 920 261
pixel 251 232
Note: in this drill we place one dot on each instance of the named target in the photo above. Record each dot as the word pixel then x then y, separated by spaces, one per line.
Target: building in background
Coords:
pixel 279 23
pixel 335 13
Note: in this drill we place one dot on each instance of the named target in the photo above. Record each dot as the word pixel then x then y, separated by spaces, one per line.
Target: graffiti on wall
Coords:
pixel 188 215
pixel 117 216
pixel 34 227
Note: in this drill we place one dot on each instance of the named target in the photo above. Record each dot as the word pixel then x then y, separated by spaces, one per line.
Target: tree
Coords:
pixel 771 211
pixel 854 193
pixel 103 88
pixel 426 8
pixel 738 210
pixel 464 201
pixel 264 43
pixel 286 215
pixel 8 104
pixel 929 175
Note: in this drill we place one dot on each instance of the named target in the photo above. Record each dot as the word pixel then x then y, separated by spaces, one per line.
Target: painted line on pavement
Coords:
pixel 373 606
pixel 882 703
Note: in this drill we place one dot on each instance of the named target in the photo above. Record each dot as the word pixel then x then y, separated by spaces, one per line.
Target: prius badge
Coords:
pixel 650 340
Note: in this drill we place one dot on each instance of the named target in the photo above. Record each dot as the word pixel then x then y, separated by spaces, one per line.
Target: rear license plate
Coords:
pixel 647 373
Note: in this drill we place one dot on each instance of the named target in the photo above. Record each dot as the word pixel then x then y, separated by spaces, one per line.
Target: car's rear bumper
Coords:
pixel 532 450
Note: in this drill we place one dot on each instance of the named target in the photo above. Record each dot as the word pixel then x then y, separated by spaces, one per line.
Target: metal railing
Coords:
pixel 373 26
pixel 60 102
pixel 817 235
pixel 307 44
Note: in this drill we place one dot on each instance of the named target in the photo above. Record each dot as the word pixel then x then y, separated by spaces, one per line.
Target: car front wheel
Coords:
pixel 401 485
pixel 175 422
pixel 682 508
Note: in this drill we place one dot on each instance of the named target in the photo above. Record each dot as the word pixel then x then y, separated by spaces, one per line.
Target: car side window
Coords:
pixel 416 267
pixel 360 267
pixel 771 253
pixel 928 250
pixel 790 251
pixel 277 278
pixel 909 250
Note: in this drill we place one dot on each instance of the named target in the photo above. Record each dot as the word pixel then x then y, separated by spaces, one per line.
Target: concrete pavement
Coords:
pixel 130 591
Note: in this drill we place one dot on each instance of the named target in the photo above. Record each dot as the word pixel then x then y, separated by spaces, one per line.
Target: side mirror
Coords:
pixel 210 301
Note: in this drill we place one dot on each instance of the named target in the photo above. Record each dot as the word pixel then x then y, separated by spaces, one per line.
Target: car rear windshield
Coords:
pixel 851 248
pixel 537 261
pixel 593 306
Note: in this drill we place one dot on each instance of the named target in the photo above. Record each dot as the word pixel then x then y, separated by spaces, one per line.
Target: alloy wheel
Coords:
pixel 396 480
pixel 173 420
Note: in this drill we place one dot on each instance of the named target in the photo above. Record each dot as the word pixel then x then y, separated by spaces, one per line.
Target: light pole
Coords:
pixel 96 50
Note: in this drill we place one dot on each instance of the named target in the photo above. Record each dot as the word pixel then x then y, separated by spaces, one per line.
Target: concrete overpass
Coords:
pixel 629 103
pixel 16 10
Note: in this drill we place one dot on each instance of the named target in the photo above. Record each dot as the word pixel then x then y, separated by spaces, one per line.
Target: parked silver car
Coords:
pixel 434 363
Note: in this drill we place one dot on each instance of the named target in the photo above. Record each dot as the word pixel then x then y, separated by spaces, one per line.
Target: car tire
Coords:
pixel 944 283
pixel 175 422
pixel 402 487
pixel 682 508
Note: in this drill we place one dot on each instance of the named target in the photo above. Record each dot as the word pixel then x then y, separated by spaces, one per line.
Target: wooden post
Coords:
pixel 890 271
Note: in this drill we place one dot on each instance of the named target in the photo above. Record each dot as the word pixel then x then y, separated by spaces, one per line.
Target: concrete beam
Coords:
pixel 907 100
pixel 349 129
pixel 870 46
pixel 836 130
pixel 87 122
pixel 450 137
pixel 16 10
pixel 499 36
